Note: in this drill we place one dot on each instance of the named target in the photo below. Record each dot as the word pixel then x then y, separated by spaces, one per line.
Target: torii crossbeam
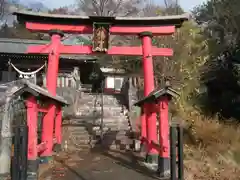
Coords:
pixel 102 28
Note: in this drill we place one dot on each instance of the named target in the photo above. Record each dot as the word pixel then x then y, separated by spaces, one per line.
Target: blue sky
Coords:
pixel 186 4
pixel 189 4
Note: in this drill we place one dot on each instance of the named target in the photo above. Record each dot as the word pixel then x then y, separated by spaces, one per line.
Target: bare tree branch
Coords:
pixel 110 7
pixel 2 8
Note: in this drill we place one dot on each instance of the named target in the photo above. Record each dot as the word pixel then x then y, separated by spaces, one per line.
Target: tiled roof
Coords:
pixel 19 46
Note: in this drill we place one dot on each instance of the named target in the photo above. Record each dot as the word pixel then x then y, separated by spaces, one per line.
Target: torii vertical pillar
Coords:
pixel 32 119
pixel 151 118
pixel 164 154
pixel 52 74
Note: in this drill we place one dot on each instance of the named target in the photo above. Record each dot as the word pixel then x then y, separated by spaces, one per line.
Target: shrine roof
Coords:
pixel 16 88
pixel 155 95
pixel 9 47
pixel 29 16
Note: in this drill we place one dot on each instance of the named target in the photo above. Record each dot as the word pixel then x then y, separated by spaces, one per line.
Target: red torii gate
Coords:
pixel 102 28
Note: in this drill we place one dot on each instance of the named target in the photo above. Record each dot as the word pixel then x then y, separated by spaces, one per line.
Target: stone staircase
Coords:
pixel 96 125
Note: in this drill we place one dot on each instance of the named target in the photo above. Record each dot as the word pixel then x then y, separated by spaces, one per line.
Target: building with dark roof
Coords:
pixel 13 51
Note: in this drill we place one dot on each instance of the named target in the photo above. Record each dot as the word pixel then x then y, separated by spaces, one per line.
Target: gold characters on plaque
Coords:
pixel 100 38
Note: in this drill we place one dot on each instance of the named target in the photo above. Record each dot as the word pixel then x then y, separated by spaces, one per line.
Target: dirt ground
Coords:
pixel 96 165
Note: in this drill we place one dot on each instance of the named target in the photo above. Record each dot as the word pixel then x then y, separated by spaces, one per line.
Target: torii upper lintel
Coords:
pixel 29 16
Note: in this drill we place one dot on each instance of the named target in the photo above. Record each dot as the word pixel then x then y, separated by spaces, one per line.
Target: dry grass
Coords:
pixel 212 150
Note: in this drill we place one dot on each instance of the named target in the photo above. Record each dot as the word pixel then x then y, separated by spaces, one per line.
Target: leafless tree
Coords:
pixel 61 10
pixel 110 7
pixel 172 7
pixel 2 8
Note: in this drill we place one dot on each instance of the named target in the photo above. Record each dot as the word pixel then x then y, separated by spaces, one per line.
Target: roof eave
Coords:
pixel 158 94
pixel 24 86
pixel 44 92
pixel 24 16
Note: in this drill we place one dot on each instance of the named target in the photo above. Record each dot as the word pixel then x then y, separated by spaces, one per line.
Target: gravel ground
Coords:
pixel 96 165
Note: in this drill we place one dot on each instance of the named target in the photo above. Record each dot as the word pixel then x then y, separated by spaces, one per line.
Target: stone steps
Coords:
pixel 107 122
pixel 88 115
pixel 98 101
pixel 107 141
pixel 105 128
pixel 97 131
pixel 85 131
